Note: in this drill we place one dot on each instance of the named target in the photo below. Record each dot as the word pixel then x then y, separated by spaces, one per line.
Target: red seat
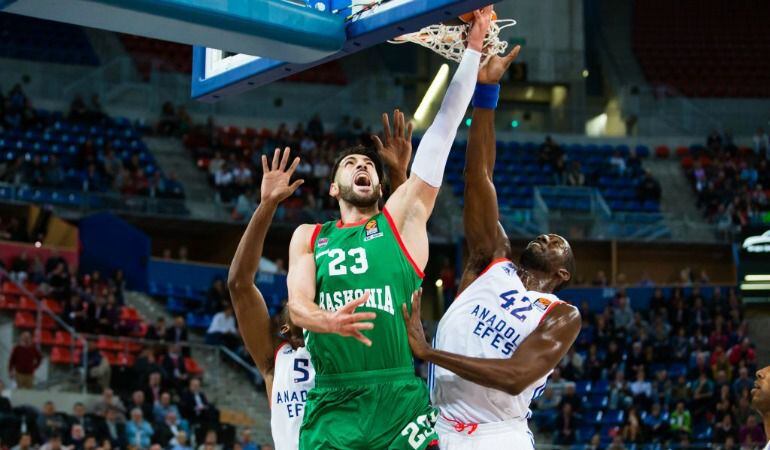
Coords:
pixel 140 330
pixel 65 339
pixel 24 320
pixel 62 355
pixel 46 337
pixel 27 304
pixel 53 305
pixel 125 359
pixel 10 288
pixel 48 323
pixel 662 152
pixel 111 357
pixel 108 344
pixel 682 151
pixel 192 367
pixel 9 302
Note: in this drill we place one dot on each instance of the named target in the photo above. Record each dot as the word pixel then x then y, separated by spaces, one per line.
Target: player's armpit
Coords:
pixel 540 352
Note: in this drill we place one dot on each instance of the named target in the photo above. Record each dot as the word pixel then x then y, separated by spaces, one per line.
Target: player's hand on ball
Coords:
pixel 482 18
pixel 346 322
pixel 494 70
pixel 395 148
pixel 275 178
pixel 414 329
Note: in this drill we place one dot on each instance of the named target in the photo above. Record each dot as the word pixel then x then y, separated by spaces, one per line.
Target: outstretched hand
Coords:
pixel 395 148
pixel 482 18
pixel 493 71
pixel 346 322
pixel 275 178
pixel 414 329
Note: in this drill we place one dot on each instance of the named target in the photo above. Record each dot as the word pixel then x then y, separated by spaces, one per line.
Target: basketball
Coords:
pixel 468 17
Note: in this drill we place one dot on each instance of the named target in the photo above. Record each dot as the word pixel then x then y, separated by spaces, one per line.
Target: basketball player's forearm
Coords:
pixel 245 263
pixel 492 373
pixel 433 151
pixel 307 315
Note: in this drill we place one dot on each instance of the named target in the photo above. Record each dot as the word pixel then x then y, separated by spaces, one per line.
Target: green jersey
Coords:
pixel 350 260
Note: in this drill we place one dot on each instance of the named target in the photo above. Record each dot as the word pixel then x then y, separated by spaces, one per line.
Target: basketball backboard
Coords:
pixel 217 73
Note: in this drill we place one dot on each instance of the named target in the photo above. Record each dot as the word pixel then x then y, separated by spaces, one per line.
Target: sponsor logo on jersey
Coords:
pixel 379 298
pixel 322 242
pixel 372 230
pixel 542 304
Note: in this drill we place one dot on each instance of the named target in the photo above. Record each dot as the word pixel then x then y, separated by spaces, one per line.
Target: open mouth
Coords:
pixel 362 180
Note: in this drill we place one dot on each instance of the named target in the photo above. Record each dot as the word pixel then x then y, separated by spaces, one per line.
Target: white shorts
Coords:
pixel 510 434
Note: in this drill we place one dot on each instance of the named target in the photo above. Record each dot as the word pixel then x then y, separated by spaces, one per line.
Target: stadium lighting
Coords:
pixel 468 122
pixel 433 91
pixel 439 283
pixel 757 278
pixel 755 287
pixel 585 73
pixel 514 124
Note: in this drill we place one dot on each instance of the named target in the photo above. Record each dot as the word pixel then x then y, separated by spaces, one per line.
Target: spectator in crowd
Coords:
pixel 180 442
pixel 566 425
pixel 618 163
pixel 163 407
pixel 174 366
pixel 153 389
pixel 210 442
pixel 138 431
pixel 246 441
pixel 681 420
pixel 157 331
pixel 25 442
pixel 575 176
pixel 169 428
pixel 751 434
pixel 54 442
pixel 108 400
pixel 24 361
pixel 761 142
pixel 649 188
pixel 138 401
pixel 222 330
pixel 50 423
pixel 115 429
pixel 177 334
pixel 195 406
pixel 725 429
pixel 216 296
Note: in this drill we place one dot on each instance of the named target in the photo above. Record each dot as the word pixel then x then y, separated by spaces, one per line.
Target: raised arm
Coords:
pixel 395 148
pixel 411 204
pixel 305 313
pixel 485 235
pixel 248 303
pixel 537 355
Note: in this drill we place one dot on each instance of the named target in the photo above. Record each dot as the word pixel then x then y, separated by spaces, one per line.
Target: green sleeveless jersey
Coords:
pixel 353 259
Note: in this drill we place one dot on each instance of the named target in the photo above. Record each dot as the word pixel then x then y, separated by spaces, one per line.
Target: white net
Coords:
pixel 449 40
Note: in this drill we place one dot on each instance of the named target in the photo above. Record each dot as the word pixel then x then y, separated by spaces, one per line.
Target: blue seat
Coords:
pixel 601 387
pixel 582 387
pixel 613 417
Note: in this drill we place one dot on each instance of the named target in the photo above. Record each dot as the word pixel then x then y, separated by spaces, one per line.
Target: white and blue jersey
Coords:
pixel 489 319
pixel 293 378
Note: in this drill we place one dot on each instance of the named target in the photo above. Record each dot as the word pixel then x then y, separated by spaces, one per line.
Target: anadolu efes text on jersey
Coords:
pixel 293 378
pixel 489 319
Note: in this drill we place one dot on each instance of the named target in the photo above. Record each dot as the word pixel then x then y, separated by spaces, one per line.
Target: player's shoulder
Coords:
pixel 305 235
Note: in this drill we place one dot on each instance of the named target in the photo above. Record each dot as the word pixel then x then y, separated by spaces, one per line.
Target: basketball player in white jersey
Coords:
pixel 285 364
pixel 760 399
pixel 505 332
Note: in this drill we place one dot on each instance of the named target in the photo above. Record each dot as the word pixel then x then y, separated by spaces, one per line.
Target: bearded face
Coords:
pixel 357 182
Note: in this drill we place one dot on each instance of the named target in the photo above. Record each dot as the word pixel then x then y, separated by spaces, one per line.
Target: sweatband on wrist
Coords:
pixel 486 95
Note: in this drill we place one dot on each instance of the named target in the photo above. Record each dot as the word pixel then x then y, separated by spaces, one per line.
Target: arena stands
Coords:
pixel 152 54
pixel 53 157
pixel 42 40
pixel 677 373
pixel 704 48
pixel 732 184
pixel 82 321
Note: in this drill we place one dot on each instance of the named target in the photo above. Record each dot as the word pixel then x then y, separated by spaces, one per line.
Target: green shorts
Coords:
pixel 376 410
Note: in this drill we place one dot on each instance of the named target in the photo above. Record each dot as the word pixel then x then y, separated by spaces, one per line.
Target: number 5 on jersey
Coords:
pixel 340 262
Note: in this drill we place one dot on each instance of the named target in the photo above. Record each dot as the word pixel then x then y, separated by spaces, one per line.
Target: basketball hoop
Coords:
pixel 449 40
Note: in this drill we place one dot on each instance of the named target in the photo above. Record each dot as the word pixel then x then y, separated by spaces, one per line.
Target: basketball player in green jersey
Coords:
pixel 348 279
